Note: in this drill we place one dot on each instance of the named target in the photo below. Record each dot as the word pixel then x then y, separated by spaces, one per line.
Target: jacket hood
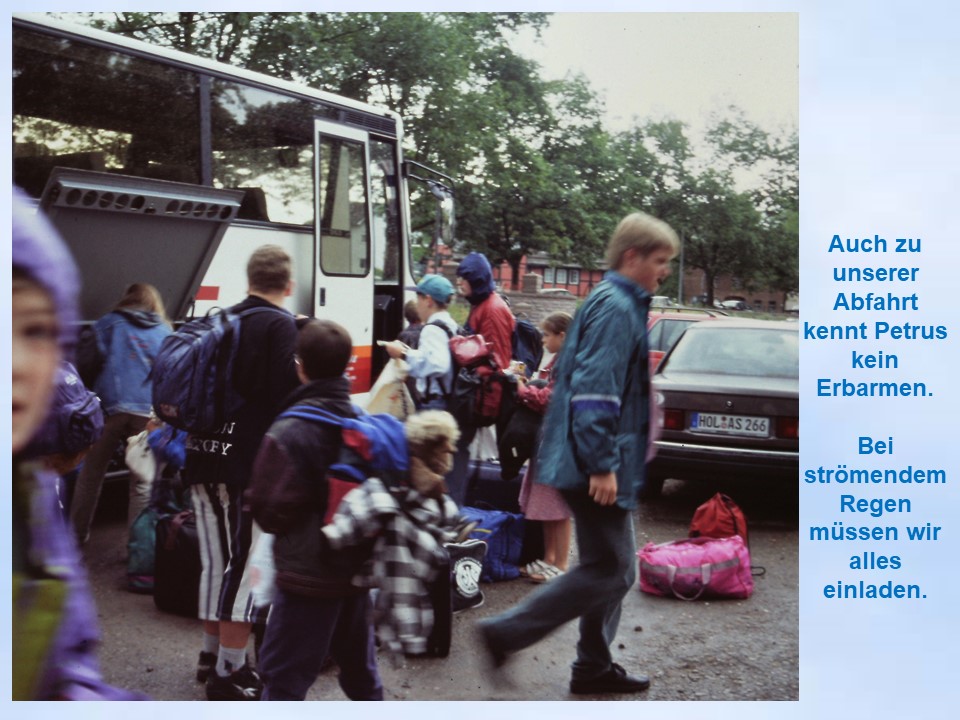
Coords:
pixel 38 251
pixel 476 270
pixel 140 318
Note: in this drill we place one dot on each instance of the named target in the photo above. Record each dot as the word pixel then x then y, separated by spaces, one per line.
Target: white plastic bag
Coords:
pixel 262 570
pixel 484 445
pixel 389 393
pixel 139 458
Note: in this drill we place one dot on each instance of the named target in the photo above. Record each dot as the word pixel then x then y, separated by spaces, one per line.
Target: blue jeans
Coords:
pixel 593 590
pixel 302 631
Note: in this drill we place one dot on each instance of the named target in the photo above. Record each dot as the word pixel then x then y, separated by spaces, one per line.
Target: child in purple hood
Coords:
pixel 54 620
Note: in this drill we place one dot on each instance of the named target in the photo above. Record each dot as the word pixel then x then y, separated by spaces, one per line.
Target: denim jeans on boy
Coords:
pixel 302 631
pixel 592 590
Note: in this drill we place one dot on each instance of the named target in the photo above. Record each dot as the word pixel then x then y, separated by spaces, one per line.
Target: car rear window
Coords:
pixel 672 329
pixel 737 351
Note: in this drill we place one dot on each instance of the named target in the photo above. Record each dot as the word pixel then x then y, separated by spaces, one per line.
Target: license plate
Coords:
pixel 730 424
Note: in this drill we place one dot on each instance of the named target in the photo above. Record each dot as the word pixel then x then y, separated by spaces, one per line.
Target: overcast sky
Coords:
pixel 678 65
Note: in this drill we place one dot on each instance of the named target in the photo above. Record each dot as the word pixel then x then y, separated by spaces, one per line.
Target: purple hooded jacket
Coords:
pixel 59 664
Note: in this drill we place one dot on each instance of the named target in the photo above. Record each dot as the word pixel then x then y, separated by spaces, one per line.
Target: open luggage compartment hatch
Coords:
pixel 124 229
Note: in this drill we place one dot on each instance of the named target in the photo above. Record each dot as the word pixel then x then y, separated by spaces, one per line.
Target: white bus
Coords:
pixel 163 167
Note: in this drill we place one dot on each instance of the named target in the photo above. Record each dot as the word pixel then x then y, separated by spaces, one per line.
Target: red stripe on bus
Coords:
pixel 358 371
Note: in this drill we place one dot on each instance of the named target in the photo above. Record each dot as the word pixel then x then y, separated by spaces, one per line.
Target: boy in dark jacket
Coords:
pixel 218 469
pixel 316 611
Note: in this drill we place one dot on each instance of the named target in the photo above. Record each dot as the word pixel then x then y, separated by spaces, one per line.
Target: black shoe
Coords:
pixel 497 657
pixel 461 603
pixel 205 665
pixel 242 684
pixel 614 680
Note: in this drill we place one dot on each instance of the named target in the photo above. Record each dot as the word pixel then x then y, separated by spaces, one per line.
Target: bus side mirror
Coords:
pixel 446 215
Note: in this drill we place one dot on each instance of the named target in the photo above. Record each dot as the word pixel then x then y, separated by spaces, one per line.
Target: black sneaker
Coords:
pixel 205 665
pixel 242 684
pixel 614 680
pixel 496 658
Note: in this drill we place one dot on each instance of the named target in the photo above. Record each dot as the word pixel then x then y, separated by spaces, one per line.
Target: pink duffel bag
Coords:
pixel 695 568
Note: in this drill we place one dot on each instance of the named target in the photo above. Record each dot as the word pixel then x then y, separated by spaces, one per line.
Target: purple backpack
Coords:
pixel 74 421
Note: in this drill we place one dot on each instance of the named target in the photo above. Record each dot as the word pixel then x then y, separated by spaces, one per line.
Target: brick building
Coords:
pixel 579 281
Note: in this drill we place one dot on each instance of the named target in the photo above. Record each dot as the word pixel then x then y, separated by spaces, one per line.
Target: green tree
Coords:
pixel 775 160
pixel 722 230
pixel 543 160
pixel 747 233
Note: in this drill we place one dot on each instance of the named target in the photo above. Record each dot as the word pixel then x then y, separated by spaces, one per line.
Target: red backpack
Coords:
pixel 719 517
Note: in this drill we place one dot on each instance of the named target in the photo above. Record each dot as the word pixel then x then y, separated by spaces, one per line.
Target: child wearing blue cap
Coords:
pixel 430 363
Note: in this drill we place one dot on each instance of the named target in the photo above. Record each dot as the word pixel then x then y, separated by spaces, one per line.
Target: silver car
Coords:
pixel 727 401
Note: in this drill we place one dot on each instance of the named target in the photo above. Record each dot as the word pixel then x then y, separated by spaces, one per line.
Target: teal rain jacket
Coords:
pixel 598 419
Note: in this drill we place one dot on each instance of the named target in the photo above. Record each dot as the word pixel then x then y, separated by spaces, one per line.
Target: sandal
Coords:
pixel 547 572
pixel 531 568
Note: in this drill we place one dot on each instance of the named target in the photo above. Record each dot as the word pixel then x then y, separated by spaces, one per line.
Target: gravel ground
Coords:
pixel 703 650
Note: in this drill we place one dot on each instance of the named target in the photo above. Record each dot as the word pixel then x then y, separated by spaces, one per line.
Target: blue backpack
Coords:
pixel 192 373
pixel 527 345
pixel 372 445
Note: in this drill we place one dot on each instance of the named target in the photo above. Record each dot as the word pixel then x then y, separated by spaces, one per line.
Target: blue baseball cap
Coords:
pixel 436 287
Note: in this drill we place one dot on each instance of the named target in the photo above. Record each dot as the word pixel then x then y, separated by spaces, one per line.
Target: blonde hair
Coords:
pixel 643 233
pixel 143 296
pixel 429 431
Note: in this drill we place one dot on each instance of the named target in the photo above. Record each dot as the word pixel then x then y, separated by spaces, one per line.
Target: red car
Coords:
pixel 666 324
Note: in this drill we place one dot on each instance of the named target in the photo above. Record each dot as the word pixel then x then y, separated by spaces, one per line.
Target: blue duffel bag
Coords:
pixel 503 533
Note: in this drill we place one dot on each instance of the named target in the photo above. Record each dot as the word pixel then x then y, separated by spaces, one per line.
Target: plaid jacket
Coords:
pixel 410 531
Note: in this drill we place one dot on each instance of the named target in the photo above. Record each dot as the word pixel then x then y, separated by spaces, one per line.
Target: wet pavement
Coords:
pixel 709 650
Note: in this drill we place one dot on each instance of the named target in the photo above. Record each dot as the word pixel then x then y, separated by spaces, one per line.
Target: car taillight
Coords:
pixel 655 357
pixel 673 419
pixel 788 427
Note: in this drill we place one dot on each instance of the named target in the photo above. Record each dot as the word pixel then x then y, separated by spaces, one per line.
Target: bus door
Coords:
pixel 343 286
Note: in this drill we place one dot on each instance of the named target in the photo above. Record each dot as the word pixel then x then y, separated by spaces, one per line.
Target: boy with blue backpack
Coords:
pixel 316 610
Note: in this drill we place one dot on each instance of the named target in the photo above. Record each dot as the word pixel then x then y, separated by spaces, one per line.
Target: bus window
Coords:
pixel 386 213
pixel 344 235
pixel 263 142
pixel 89 108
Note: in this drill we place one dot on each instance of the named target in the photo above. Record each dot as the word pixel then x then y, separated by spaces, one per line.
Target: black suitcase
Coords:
pixel 441 597
pixel 176 585
pixel 487 490
pixel 456 588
